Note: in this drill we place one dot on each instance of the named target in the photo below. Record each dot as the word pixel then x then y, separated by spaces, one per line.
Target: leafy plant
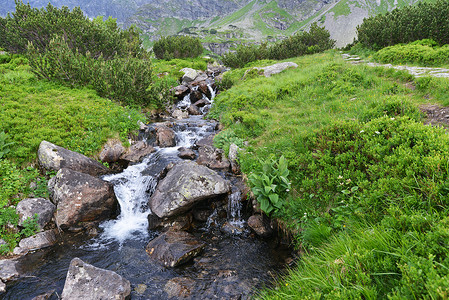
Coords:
pixel 30 226
pixel 271 185
pixel 227 137
pixel 4 146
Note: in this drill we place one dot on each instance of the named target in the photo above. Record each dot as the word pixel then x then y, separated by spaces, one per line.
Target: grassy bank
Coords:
pixel 368 178
pixel 32 111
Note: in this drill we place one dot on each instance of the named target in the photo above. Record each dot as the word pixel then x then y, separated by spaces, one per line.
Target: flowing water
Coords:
pixel 231 266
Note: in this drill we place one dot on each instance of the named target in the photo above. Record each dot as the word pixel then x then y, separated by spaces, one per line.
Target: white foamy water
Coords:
pixel 132 190
pixel 135 185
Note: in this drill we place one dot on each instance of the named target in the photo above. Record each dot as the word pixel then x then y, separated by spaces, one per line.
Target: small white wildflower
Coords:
pixel 340 177
pixel 392 119
pixel 362 131
pixel 377 132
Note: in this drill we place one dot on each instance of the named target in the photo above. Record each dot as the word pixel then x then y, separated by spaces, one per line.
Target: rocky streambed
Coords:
pixel 171 223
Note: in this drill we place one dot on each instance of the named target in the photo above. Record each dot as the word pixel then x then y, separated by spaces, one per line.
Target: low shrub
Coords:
pixel 317 39
pixel 177 47
pixel 423 53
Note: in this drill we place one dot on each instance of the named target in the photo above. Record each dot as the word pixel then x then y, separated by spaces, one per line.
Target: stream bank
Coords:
pixel 232 264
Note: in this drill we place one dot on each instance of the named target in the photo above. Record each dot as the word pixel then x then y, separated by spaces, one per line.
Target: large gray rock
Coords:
pixel 39 240
pixel 233 158
pixel 189 75
pixel 213 158
pixel 8 270
pixel 276 68
pixel 44 209
pixel 180 114
pixel 186 184
pixel 85 281
pixel 112 151
pixel 165 136
pixel 174 248
pixel 80 197
pixel 52 157
pixel 137 152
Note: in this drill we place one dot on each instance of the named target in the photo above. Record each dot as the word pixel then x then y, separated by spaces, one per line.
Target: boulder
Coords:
pixel 180 114
pixel 44 209
pixel 85 281
pixel 174 248
pixel 205 89
pixel 181 91
pixel 179 287
pixel 213 158
pixel 112 151
pixel 38 241
pixel 80 197
pixel 189 75
pixel 202 76
pixel 194 110
pixel 207 141
pixel 195 95
pixel 165 136
pixel 260 225
pixel 185 153
pixel 201 103
pixel 186 184
pixel 233 158
pixel 54 158
pixel 276 68
pixel 8 270
pixel 137 152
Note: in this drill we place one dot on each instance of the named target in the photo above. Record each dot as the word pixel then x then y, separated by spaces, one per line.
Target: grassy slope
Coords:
pixel 32 111
pixel 337 125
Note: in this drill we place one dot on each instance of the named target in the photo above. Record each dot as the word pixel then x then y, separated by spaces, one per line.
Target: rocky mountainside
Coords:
pixel 223 23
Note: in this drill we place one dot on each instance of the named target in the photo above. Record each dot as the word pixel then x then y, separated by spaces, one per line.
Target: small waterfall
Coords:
pixel 235 209
pixel 133 191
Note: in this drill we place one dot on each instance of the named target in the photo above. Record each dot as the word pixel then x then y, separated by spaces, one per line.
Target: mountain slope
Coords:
pixel 232 21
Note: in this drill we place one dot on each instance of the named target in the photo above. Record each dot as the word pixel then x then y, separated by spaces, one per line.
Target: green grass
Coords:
pixel 368 177
pixel 76 119
pixel 415 53
pixel 32 111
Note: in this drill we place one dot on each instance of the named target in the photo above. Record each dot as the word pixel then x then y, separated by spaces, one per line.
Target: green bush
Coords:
pixel 40 26
pixel 303 43
pixel 420 53
pixel 177 47
pixel 424 20
pixel 125 79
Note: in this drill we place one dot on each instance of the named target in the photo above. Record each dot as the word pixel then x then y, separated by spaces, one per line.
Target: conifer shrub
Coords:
pixel 177 47
pixel 424 20
pixel 39 27
pixel 317 39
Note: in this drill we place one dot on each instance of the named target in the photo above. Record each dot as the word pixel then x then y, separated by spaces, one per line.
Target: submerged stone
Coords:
pixel 174 248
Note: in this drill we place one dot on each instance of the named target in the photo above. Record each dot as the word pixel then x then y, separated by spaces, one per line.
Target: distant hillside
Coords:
pixel 230 21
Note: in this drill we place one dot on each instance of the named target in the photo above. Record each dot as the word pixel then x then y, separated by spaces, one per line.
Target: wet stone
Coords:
pixel 8 270
pixel 179 287
pixel 174 248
